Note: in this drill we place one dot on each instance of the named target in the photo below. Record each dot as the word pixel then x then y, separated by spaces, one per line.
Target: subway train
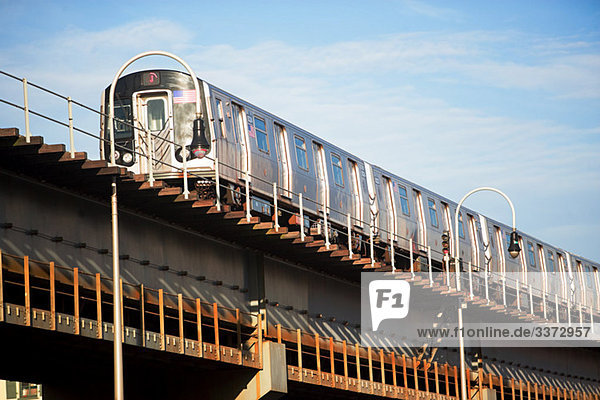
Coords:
pixel 156 126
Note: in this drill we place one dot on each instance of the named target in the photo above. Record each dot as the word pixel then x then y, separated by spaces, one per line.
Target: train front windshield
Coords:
pixel 123 122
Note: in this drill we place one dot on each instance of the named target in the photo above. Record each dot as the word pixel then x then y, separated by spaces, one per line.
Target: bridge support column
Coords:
pixel 270 382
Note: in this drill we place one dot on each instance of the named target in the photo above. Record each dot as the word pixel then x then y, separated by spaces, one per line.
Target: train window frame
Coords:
pixel 335 169
pixel 261 132
pixel 303 150
pixel 221 117
pixel 433 217
pixel 404 204
pixel 550 257
pixel 531 254
pixel 461 226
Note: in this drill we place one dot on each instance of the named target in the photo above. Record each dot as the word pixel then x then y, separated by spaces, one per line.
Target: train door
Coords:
pixel 582 283
pixel 449 225
pixel 322 181
pixel 474 241
pixel 239 127
pixel 552 278
pixel 153 113
pixel 228 141
pixel 422 237
pixel 357 206
pixel 487 243
pixel 283 158
pixel 391 206
pixel 543 268
pixel 562 271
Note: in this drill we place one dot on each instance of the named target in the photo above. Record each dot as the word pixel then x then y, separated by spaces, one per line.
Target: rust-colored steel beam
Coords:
pixel 332 361
pixel 199 327
pixel 76 299
pixel 318 355
pixel 382 361
pixel 370 358
pixel 99 308
pixel 416 375
pixel 161 313
pixel 27 291
pixel 238 327
pixel 299 349
pixel 345 353
pixel 394 377
pixel 357 354
pixel 143 312
pixel 447 376
pixel 436 377
pixel 180 320
pixel 52 297
pixel 215 311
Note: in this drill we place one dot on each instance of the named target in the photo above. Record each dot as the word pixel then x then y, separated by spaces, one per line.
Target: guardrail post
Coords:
pixel 447 260
pixel 412 265
pixel 260 340
pixel 217 185
pixel 392 256
pixel 544 303
pixel 504 291
pixel 349 233
pixel 299 349
pixel 370 358
pixel 99 307
pixel 326 224
pixel 556 308
pixel 470 281
pixel 26 109
pixel 215 311
pixel 276 210
pixel 345 354
pixel 332 361
pixel 531 300
pixel 518 296
pixel 180 320
pixel 371 244
pixel 301 209
pixel 71 138
pixel 150 158
pixel 357 354
pixel 382 363
pixel 27 291
pixel 161 314
pixel 404 373
pixel 248 205
pixel 143 313
pixel 238 329
pixel 318 357
pixel 186 192
pixel 457 274
pixel 591 319
pixel 76 299
pixel 569 310
pixel 199 327
pixel 52 298
pixel 580 315
pixel 430 266
pixel 487 293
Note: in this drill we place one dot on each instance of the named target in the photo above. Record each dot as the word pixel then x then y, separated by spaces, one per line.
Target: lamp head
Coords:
pixel 514 249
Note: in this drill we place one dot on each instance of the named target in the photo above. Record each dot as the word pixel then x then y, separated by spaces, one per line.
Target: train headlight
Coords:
pixel 514 249
pixel 127 158
pixel 199 152
pixel 117 155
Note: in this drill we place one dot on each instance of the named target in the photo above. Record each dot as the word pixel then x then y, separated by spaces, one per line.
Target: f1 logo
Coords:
pixel 389 299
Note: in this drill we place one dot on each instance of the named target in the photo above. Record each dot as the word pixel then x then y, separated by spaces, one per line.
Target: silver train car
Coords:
pixel 155 128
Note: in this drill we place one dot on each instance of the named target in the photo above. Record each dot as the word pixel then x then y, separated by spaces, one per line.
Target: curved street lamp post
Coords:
pixel 513 250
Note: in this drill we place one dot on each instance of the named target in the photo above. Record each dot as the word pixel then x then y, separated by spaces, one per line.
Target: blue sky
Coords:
pixel 450 95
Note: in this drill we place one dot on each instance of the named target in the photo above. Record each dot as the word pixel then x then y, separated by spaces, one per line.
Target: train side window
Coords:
pixel 432 212
pixel 404 200
pixel 550 264
pixel 261 134
pixel 461 227
pixel 301 157
pixel 531 254
pixel 221 118
pixel 338 172
pixel 588 276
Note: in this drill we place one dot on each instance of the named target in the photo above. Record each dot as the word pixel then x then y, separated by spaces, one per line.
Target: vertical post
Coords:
pixel 504 291
pixel 370 358
pixel 518 297
pixel 457 274
pixel 143 313
pixel 184 156
pixel 349 233
pixel 76 299
pixel 556 308
pixel 580 315
pixel 180 320
pixel 436 377
pixel 1 291
pixel 448 273
pixel 357 354
pixel 528 391
pixel 161 314
pixel 345 353
pixel 544 303
pixel 301 209
pixel 426 373
pixel 318 356
pixel 276 210
pixel 325 224
pixel 392 255
pixel 456 383
pixel 404 372
pixel 26 109
pixel 52 298
pixel 150 158
pixel 501 383
pixel 248 205
pixel 394 377
pixel 299 349
pixel 520 390
pixel 430 266
pixel 591 309
pixel 461 341
pixel 382 364
pixel 416 376
pixel 122 311
pixel 117 338
pixel 217 185
pixel 332 360
pixel 412 265
pixel 215 311
pixel 238 329
pixel 279 333
pixel 487 293
pixel 71 138
pixel 569 310
pixel 512 387
pixel 260 340
pixel 27 291
pixel 199 326
pixel 447 376
pixel 99 306
pixel 531 300
pixel 371 244
pixel 470 281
